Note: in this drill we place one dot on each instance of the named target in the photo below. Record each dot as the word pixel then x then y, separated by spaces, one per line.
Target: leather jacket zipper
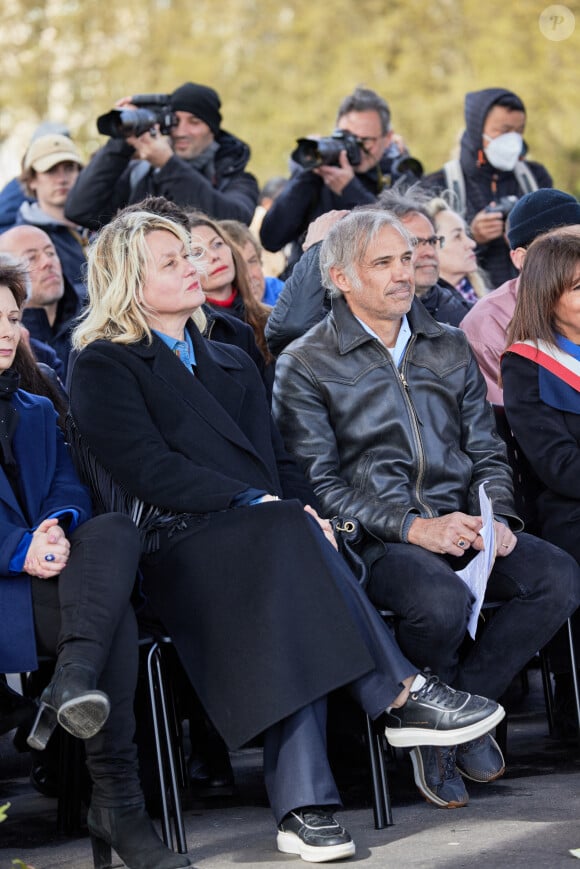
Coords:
pixel 415 429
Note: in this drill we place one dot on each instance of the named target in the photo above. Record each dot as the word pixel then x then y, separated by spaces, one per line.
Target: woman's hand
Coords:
pixel 48 540
pixel 324 524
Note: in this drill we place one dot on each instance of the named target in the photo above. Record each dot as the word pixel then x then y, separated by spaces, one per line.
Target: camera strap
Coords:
pixel 455 182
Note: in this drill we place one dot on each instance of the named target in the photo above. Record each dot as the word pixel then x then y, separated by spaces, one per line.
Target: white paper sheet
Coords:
pixel 477 572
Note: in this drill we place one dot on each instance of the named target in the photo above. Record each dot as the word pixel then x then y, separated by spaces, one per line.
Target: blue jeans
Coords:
pixel 538 582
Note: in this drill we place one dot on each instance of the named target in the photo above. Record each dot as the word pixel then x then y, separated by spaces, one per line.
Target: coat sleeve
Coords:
pixel 103 186
pixel 57 489
pixel 540 430
pixel 287 217
pixel 234 199
pixel 301 304
pixel 112 416
pixel 302 199
pixel 486 333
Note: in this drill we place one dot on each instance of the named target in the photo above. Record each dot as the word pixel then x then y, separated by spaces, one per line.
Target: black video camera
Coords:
pixel 312 153
pixel 503 207
pixel 152 109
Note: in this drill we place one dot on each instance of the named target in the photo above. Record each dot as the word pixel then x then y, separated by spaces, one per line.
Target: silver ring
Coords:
pixel 462 543
pixel 49 557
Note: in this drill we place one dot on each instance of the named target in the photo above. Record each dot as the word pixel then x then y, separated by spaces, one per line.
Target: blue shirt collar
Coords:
pixel 403 339
pixel 182 349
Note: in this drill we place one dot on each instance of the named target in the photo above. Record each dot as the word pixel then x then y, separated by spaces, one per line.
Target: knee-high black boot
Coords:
pixel 117 818
pixel 94 590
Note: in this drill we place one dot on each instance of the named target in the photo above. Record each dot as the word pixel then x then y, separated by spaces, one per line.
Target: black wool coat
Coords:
pixel 247 593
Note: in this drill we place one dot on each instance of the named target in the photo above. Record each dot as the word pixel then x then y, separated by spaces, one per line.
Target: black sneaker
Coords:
pixel 313 834
pixel 438 715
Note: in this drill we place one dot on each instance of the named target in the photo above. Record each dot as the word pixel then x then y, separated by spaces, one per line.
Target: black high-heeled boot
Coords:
pixel 72 700
pixel 129 831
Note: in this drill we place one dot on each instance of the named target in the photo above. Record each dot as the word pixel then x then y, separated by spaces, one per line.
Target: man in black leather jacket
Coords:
pixel 198 166
pixel 385 410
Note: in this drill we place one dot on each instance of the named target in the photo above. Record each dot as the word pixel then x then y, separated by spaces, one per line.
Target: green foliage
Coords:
pixel 282 68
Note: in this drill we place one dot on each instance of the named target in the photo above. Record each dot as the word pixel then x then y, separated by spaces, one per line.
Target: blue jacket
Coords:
pixel 49 486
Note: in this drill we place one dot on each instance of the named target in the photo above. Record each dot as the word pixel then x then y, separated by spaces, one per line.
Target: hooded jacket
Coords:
pixel 484 183
pixel 113 179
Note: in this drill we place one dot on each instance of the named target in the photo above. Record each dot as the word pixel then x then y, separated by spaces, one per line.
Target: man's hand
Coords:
pixel 505 540
pixel 444 534
pixel 153 147
pixel 319 228
pixel 49 540
pixel 487 225
pixel 337 177
pixel 324 524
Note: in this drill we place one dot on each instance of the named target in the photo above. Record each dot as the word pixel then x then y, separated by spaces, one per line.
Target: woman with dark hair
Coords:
pixel 65 592
pixel 225 279
pixel 541 380
pixel 541 386
pixel 265 289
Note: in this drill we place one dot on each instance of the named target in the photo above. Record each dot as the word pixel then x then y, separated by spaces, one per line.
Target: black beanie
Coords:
pixel 538 212
pixel 199 100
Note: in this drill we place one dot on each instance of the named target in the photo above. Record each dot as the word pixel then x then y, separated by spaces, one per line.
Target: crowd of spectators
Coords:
pixel 232 368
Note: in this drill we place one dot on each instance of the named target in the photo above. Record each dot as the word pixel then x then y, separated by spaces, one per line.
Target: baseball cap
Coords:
pixel 46 151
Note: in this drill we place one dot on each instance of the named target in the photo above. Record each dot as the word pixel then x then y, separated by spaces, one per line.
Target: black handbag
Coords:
pixel 349 535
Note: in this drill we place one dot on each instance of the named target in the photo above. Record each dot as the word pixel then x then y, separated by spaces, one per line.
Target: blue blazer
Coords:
pixel 49 485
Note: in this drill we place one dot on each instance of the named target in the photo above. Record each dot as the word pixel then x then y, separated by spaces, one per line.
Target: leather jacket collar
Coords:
pixel 351 334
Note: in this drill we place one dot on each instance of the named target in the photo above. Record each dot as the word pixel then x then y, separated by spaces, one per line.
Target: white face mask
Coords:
pixel 503 151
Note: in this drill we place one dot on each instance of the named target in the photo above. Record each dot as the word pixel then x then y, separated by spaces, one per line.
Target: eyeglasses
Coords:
pixel 432 241
pixel 367 141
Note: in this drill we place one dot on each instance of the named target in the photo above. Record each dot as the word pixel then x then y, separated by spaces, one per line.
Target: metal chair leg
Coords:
pixel 164 746
pixel 548 689
pixel 382 811
pixel 574 672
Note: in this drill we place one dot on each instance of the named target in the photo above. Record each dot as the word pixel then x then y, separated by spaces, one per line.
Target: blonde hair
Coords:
pixel 118 260
pixel 477 278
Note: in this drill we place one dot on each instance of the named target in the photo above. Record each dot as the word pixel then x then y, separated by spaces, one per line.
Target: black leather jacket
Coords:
pixel 382 444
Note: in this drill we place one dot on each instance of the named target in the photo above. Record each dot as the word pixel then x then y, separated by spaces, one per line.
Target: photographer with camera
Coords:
pixel 338 172
pixel 491 175
pixel 166 145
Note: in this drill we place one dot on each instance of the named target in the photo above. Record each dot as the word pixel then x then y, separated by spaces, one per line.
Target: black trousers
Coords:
pixel 296 768
pixel 87 617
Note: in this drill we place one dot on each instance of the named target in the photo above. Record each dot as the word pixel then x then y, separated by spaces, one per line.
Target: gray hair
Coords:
pixel 347 242
pixel 365 100
pixel 405 204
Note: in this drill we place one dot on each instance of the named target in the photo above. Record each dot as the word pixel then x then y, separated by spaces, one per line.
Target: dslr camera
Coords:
pixel 312 153
pixel 503 206
pixel 152 109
